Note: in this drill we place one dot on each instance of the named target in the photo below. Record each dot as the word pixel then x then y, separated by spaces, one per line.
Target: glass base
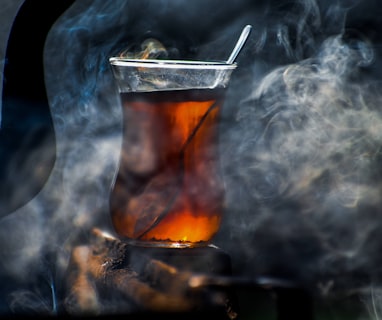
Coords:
pixel 167 244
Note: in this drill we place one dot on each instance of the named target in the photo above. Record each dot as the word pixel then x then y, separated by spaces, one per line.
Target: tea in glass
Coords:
pixel 167 191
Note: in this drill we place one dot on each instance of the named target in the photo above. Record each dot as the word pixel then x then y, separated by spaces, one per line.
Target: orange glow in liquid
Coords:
pixel 168 186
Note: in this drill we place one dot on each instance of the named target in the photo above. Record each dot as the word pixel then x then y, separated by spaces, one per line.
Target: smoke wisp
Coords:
pixel 300 138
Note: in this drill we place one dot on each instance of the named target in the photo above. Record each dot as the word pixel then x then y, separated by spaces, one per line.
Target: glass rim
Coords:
pixel 174 64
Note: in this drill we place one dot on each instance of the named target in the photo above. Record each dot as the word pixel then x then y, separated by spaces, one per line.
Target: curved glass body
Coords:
pixel 167 191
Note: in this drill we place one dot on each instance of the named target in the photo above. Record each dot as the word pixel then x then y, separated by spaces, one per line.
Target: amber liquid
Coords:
pixel 167 189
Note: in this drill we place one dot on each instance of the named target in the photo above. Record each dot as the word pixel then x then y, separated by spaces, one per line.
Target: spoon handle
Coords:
pixel 239 44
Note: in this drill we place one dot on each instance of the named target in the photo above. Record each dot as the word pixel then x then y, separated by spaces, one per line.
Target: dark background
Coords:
pixel 300 136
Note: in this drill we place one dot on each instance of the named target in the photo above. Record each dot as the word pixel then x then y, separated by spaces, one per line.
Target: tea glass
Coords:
pixel 168 191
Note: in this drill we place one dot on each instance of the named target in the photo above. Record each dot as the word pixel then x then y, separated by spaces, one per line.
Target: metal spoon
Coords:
pixel 240 43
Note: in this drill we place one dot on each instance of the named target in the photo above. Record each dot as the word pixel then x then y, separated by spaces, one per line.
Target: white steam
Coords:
pixel 300 148
pixel 307 163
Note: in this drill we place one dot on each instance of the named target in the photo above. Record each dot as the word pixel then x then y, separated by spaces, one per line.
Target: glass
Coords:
pixel 167 191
